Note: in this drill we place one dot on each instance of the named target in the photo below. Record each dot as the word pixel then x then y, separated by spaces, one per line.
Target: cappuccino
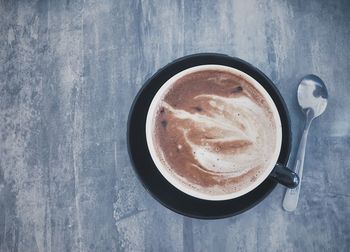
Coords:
pixel 213 132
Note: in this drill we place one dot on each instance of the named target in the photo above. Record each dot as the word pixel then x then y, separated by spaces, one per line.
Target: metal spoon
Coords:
pixel 312 98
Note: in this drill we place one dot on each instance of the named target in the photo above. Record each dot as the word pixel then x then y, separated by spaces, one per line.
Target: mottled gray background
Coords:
pixel 69 71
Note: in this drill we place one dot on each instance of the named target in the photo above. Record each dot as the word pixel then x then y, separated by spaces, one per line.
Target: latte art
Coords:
pixel 223 134
pixel 214 132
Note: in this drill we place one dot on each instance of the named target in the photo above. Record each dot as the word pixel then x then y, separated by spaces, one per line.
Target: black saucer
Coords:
pixel 148 173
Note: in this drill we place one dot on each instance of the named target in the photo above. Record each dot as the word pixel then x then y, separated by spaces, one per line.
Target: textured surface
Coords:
pixel 68 73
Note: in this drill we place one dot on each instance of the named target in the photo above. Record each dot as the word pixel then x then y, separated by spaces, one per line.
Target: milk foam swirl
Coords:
pixel 228 142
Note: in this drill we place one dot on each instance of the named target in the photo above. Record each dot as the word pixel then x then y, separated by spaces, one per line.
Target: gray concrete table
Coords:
pixel 69 71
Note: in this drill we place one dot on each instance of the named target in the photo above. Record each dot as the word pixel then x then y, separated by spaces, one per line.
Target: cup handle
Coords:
pixel 284 176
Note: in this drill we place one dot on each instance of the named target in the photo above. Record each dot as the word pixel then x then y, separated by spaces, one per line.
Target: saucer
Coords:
pixel 148 173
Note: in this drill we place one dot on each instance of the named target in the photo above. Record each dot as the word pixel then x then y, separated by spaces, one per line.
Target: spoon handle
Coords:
pixel 291 197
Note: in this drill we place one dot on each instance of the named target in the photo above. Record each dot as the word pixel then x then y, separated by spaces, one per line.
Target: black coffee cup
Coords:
pixel 274 170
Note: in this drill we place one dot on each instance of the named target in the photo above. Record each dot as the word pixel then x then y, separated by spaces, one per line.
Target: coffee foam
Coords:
pixel 213 133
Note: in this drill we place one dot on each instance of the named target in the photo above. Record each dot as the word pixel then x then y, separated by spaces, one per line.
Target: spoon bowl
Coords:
pixel 312 95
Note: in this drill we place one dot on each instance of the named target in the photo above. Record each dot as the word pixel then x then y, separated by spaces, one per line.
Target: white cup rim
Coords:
pixel 165 171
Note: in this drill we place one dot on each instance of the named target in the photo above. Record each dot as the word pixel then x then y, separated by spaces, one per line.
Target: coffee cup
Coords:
pixel 214 133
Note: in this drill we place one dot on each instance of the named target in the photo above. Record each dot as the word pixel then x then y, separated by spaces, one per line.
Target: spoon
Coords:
pixel 312 99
